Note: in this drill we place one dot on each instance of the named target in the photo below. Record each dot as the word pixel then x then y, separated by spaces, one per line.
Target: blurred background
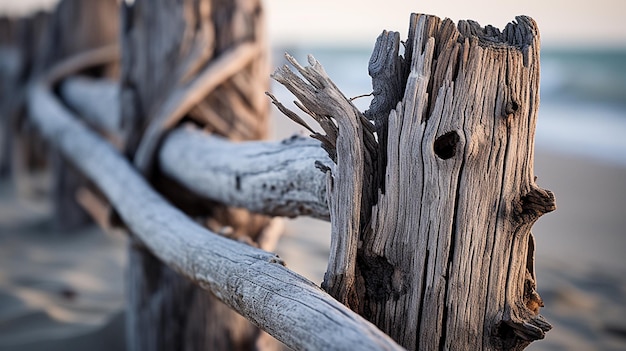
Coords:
pixel 580 154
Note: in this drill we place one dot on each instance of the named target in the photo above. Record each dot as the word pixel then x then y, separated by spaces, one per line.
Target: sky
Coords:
pixel 561 22
pixel 358 22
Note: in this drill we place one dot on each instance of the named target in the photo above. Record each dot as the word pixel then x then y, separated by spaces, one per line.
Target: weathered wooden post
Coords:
pixel 20 41
pixel 431 219
pixel 203 61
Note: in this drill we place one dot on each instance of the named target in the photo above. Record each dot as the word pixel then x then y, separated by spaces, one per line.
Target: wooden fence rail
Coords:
pixel 276 178
pixel 253 282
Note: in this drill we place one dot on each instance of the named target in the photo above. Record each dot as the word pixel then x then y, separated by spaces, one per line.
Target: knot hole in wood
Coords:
pixel 446 145
pixel 511 107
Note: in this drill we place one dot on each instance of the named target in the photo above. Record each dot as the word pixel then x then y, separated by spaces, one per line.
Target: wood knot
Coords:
pixel 534 204
pixel 510 108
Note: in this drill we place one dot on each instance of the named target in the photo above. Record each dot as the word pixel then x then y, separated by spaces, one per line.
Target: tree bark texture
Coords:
pixel 203 61
pixel 435 247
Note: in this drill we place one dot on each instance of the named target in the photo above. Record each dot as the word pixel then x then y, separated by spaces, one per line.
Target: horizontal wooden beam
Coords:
pixel 253 282
pixel 273 178
pixel 276 178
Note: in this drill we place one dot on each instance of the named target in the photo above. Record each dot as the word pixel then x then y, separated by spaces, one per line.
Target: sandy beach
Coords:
pixel 65 291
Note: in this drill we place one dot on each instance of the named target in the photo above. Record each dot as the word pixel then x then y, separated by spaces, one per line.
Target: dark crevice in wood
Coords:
pixel 238 182
pixel 454 233
pixel 421 307
pixel 511 108
pixel 534 204
pixel 379 288
pixel 445 146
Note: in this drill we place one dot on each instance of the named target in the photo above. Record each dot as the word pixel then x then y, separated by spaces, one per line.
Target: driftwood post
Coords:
pixel 202 61
pixel 431 220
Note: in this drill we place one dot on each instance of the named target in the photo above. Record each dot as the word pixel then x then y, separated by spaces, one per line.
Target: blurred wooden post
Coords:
pixel 204 61
pixel 29 47
pixel 76 26
pixel 431 221
pixel 10 67
pixel 20 44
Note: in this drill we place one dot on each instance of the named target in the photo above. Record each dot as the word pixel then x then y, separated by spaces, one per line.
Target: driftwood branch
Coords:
pixel 272 178
pixel 96 100
pixel 251 281
pixel 201 60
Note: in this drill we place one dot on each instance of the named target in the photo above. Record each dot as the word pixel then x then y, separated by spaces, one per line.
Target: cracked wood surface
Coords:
pixel 446 259
pixel 272 178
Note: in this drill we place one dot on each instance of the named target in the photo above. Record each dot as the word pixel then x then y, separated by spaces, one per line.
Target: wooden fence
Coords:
pixel 430 193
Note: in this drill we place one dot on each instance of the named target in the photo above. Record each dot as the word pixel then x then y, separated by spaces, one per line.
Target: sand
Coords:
pixel 65 291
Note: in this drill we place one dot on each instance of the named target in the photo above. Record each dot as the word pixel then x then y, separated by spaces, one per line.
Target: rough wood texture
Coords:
pixel 273 178
pixel 253 282
pixel 446 260
pixel 279 178
pixel 201 60
pixel 323 100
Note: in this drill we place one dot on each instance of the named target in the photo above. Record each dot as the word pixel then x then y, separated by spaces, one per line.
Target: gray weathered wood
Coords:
pixel 322 99
pixel 97 101
pixel 274 178
pixel 253 282
pixel 271 178
pixel 205 61
pixel 446 259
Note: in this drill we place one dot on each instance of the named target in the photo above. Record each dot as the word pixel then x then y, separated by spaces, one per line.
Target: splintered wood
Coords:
pixel 431 221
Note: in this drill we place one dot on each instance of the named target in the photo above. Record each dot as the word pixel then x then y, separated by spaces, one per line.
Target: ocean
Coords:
pixel 583 95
